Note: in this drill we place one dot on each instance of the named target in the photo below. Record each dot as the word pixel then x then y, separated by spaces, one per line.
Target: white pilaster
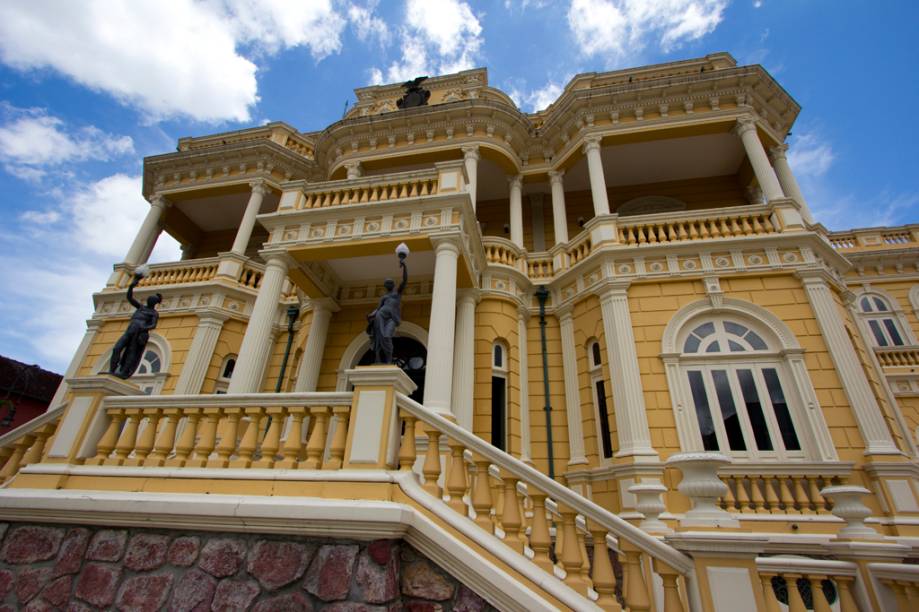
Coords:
pixel 878 439
pixel 244 233
pixel 597 180
pixel 148 232
pixel 199 355
pixel 438 383
pixel 559 216
pixel 524 373
pixel 471 159
pixel 516 209
pixel 787 179
pixel 572 392
pixel 92 326
pixel 311 362
pixel 256 345
pixel 765 175
pixel 354 169
pixel 464 358
pixel 628 396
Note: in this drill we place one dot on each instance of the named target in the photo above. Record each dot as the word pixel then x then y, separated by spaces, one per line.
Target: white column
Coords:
pixel 559 216
pixel 572 392
pixel 438 382
pixel 471 159
pixel 516 198
pixel 198 358
pixel 597 180
pixel 354 169
pixel 148 232
pixel 311 362
pixel 864 405
pixel 464 358
pixel 256 345
pixel 92 326
pixel 244 233
pixel 765 175
pixel 787 179
pixel 523 363
pixel 628 396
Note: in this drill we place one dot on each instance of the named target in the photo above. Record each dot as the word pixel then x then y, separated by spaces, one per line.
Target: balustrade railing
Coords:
pixel 26 444
pixel 540 267
pixel 804 584
pixel 523 507
pixel 251 276
pixel 901 580
pixel 382 188
pixel 759 492
pixel 226 431
pixel 499 251
pixel 707 225
pixel 177 273
pixel 900 356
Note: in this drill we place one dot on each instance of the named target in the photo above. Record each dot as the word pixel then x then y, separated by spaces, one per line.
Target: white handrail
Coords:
pixel 237 400
pixel 622 529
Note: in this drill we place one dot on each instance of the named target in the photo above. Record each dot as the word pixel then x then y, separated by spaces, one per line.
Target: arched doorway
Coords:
pixel 411 356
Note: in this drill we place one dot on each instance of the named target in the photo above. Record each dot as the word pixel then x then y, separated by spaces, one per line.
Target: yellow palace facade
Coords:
pixel 633 371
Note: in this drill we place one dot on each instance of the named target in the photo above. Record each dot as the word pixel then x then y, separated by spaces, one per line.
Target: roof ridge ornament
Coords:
pixel 415 95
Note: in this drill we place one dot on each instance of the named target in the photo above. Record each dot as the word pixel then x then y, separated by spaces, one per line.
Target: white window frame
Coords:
pixel 892 312
pixel 501 370
pixel 785 354
pixel 223 382
pixel 595 373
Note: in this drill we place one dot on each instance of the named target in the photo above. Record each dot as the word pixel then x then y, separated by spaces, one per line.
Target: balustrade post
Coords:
pixel 669 576
pixel 511 521
pixel 456 479
pixel 339 437
pixel 407 452
pixel 795 601
pixel 35 452
pixel 602 574
pixel 636 592
pixel 290 450
pixel 272 440
pixel 772 602
pixel 316 445
pixel 481 496
pixel 230 419
pixel 146 438
pixel 431 468
pixel 571 553
pixel 249 441
pixel 15 460
pixel 128 438
pixel 186 443
pixel 846 598
pixel 540 539
pixel 817 596
pixel 207 438
pixel 166 440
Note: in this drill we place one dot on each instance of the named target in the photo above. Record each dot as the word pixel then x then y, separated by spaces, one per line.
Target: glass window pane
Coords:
pixel 894 332
pixel 734 328
pixel 754 410
pixel 866 305
pixel 878 334
pixel 606 437
pixel 735 348
pixel 499 358
pixel 780 407
pixel 755 341
pixel 706 329
pixel 692 345
pixel 595 349
pixel 703 414
pixel 882 307
pixel 728 410
pixel 714 347
pixel 498 404
pixel 228 369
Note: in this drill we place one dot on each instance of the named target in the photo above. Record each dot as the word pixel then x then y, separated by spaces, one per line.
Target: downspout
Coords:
pixel 292 313
pixel 542 294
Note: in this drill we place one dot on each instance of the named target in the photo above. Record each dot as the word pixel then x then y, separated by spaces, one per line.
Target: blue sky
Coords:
pixel 87 89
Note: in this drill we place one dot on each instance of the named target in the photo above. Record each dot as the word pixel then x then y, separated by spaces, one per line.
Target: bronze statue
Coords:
pixel 129 350
pixel 383 321
pixel 415 95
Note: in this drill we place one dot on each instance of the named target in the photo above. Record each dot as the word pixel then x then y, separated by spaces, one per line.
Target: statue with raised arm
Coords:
pixel 129 350
pixel 382 322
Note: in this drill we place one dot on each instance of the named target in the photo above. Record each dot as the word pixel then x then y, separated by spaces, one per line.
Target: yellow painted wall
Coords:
pixel 228 343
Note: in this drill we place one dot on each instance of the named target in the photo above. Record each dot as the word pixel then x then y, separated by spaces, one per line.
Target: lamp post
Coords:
pixel 542 294
pixel 292 313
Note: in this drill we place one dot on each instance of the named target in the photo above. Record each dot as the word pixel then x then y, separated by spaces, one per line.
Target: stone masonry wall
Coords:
pixel 77 569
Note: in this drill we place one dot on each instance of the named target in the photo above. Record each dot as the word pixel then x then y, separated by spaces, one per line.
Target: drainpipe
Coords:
pixel 542 294
pixel 292 313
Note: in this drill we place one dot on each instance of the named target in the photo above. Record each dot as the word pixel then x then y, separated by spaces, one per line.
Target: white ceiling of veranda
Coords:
pixel 221 212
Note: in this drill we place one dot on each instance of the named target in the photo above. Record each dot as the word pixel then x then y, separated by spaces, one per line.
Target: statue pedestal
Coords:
pixel 84 419
pixel 373 426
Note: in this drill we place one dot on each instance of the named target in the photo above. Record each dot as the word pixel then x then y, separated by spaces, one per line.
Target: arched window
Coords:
pixel 499 371
pixel 881 320
pixel 153 368
pixel 598 388
pixel 225 374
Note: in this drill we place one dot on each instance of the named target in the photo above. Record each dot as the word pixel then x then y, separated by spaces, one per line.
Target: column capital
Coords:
pixel 212 316
pixel 778 152
pixel 611 288
pixel 259 186
pixel 564 312
pixel 93 325
pixel 744 125
pixel 446 244
pixel 591 143
pixel 556 176
pixel 515 181
pixel 276 259
pixel 523 312
pixel 159 201
pixel 468 295
pixel 471 152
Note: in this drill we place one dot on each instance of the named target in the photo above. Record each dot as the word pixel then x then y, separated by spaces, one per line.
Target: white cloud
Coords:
pixel 620 29
pixel 368 26
pixel 177 58
pixel 46 299
pixel 437 37
pixel 32 140
pixel 537 99
pixel 809 155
